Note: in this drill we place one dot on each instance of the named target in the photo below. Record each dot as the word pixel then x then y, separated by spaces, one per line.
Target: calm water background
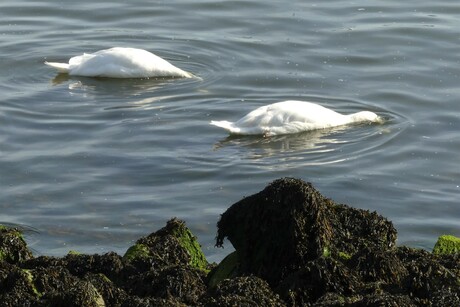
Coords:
pixel 93 164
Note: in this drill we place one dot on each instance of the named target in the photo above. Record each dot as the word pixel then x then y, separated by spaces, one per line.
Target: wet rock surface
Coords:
pixel 294 247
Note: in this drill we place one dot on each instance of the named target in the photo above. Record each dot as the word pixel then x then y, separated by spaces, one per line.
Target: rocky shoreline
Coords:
pixel 293 247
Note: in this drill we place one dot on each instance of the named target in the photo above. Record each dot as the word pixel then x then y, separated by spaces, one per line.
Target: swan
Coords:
pixel 292 116
pixel 119 62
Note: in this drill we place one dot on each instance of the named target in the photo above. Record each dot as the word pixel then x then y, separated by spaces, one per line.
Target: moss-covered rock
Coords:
pixel 13 248
pixel 227 268
pixel 17 286
pixel 136 251
pixel 293 246
pixel 172 245
pixel 447 244
pixel 187 241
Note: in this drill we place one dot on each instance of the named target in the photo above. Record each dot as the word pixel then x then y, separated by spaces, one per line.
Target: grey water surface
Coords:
pixel 92 164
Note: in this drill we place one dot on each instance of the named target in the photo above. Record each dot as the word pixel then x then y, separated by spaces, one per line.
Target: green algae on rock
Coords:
pixel 172 244
pixel 168 263
pixel 447 244
pixel 136 251
pixel 293 246
pixel 227 268
pixel 13 248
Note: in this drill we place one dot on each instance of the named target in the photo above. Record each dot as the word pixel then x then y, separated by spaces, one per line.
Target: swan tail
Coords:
pixel 229 126
pixel 60 67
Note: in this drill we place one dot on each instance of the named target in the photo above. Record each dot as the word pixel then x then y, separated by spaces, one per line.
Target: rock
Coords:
pixel 172 245
pixel 289 223
pixel 185 284
pixel 313 251
pixel 112 294
pixel 447 245
pixel 227 268
pixel 165 268
pixel 294 247
pixel 242 291
pixel 319 277
pixel 16 286
pixel 379 266
pixel 167 264
pixel 13 248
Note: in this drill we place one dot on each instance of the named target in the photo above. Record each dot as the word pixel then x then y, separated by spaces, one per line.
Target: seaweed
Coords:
pixel 293 247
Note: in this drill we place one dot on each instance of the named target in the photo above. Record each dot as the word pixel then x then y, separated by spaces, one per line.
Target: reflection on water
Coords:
pixel 316 141
pixel 312 148
pixel 125 87
pixel 135 93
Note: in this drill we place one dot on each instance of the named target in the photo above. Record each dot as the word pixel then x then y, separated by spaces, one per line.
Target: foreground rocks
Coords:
pixel 294 247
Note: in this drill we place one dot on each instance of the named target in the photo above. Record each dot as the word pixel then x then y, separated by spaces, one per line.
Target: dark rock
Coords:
pixel 182 283
pixel 317 278
pixel 294 247
pixel 386 300
pixel 134 301
pixel 13 248
pixel 242 291
pixel 336 300
pixel 16 288
pixel 110 292
pixel 313 251
pixel 289 223
pixel 379 266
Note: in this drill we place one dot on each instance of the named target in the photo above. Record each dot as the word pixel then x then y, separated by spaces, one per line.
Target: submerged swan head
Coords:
pixel 366 116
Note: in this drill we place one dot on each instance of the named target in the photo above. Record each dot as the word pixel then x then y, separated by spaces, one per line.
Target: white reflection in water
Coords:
pixel 131 93
pixel 313 148
pixel 126 87
pixel 313 141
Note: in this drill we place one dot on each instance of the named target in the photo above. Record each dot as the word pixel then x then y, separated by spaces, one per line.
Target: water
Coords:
pixel 93 164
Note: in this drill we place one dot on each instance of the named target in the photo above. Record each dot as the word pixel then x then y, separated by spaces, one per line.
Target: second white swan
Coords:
pixel 292 116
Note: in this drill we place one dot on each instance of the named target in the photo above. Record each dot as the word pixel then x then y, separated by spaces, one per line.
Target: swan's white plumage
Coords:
pixel 120 62
pixel 292 117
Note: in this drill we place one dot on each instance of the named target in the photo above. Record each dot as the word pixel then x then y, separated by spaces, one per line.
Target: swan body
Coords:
pixel 120 62
pixel 292 117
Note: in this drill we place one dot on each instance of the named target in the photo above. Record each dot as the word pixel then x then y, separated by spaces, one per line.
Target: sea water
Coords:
pixel 92 164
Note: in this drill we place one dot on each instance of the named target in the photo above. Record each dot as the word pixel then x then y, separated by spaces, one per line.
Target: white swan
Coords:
pixel 292 116
pixel 120 62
